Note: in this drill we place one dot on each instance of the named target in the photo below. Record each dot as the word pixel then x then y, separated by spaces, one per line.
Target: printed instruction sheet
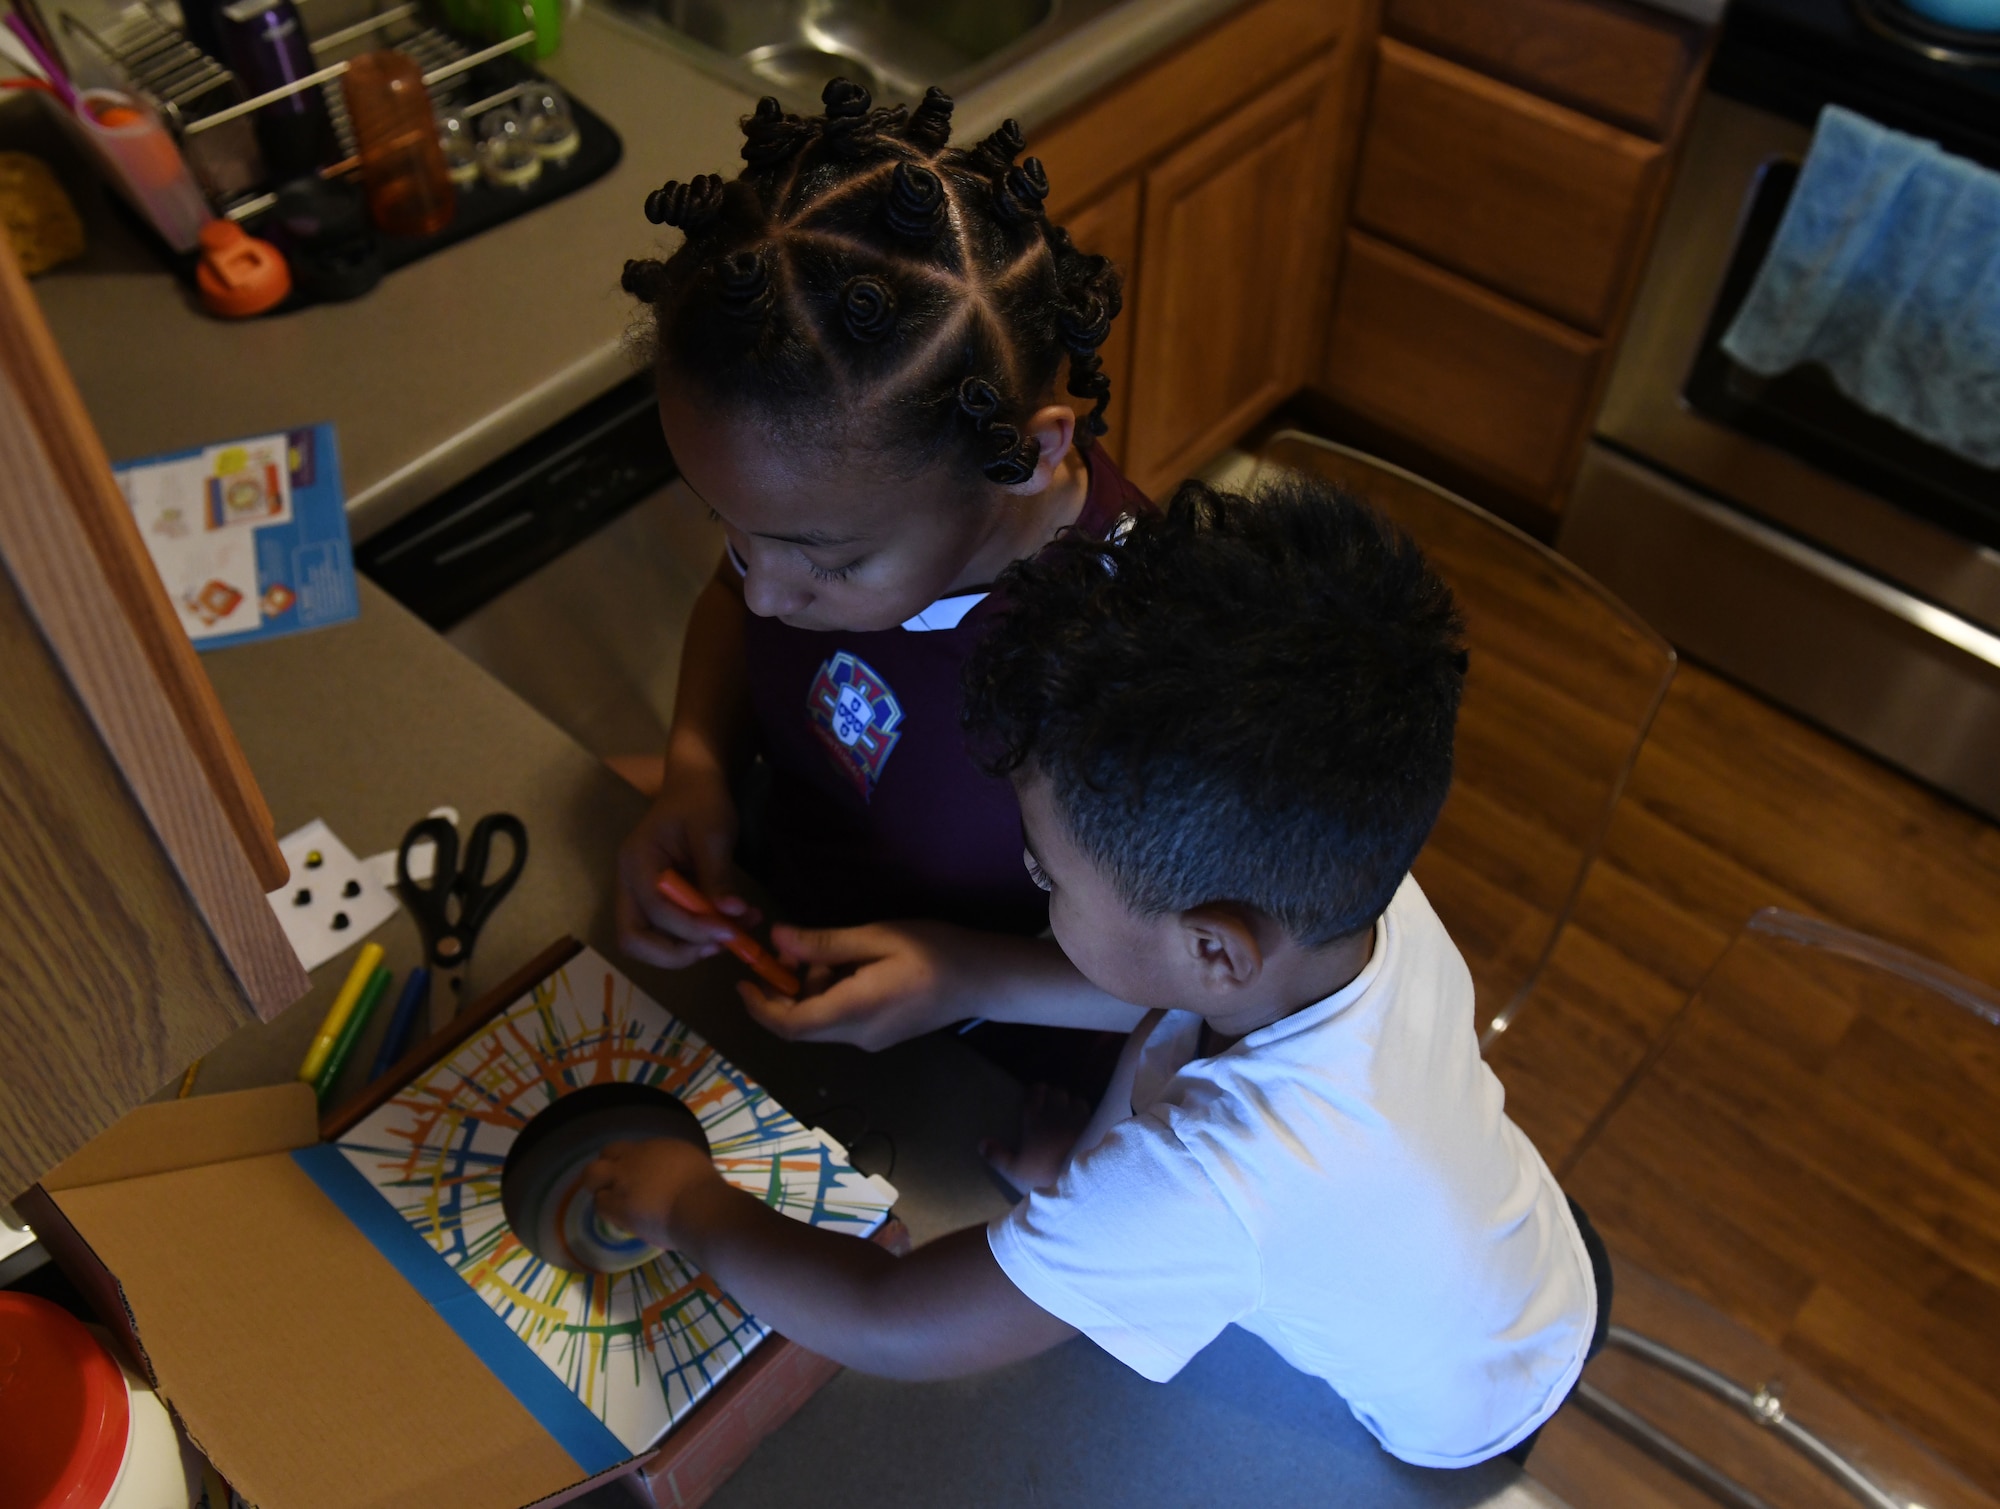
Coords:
pixel 249 536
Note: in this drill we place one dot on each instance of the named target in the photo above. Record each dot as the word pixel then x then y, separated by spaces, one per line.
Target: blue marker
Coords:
pixel 396 1040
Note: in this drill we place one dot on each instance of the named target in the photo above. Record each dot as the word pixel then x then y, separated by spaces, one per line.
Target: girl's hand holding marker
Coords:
pixel 691 830
pixel 675 888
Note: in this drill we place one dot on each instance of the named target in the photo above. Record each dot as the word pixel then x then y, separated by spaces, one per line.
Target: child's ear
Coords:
pixel 1054 428
pixel 1222 945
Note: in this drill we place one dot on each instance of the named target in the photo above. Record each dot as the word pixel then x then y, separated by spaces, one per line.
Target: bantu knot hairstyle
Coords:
pixel 1161 701
pixel 689 205
pixel 772 133
pixel 844 99
pixel 929 125
pixel 868 307
pixel 998 150
pixel 1012 455
pixel 862 266
pixel 850 128
pixel 916 205
pixel 743 284
pixel 1018 193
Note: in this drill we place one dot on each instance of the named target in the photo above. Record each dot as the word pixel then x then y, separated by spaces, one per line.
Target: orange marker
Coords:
pixel 682 894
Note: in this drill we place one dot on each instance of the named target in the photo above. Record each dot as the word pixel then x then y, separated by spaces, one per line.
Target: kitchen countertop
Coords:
pixel 455 360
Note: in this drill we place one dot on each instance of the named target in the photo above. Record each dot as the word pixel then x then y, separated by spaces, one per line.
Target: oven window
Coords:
pixel 1801 411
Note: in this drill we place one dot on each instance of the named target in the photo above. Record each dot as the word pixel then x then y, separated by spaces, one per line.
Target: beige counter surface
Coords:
pixel 455 360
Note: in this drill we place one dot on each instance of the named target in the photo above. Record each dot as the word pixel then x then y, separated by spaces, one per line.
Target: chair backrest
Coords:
pixel 1810 1150
pixel 1563 686
pixel 1688 1409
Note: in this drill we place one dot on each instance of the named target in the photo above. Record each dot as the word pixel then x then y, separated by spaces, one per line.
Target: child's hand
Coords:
pixel 871 986
pixel 641 1185
pixel 691 828
pixel 1053 1121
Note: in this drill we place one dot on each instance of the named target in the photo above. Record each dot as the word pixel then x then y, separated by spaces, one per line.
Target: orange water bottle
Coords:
pixel 402 167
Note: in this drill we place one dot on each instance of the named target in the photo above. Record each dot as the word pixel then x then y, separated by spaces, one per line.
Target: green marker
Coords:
pixel 350 1032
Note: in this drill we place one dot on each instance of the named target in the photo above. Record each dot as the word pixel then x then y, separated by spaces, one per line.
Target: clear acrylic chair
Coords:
pixel 1563 686
pixel 1800 1189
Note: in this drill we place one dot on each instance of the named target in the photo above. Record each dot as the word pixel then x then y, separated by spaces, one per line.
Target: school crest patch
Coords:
pixel 857 718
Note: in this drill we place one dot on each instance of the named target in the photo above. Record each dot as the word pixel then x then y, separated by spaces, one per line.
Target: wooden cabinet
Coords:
pixel 1623 63
pixel 1529 198
pixel 1486 384
pixel 1507 161
pixel 1110 228
pixel 1213 178
pixel 1233 234
pixel 1117 133
pixel 1513 159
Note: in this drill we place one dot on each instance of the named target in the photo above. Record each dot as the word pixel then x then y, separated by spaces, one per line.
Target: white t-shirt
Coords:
pixel 1345 1184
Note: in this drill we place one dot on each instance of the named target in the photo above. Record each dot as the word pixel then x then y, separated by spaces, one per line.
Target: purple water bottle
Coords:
pixel 265 43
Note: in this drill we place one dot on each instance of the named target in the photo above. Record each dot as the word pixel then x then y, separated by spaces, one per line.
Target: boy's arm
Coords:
pixel 881 984
pixel 945 1310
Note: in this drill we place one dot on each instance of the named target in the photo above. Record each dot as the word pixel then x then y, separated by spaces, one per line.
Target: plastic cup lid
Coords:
pixel 64 1412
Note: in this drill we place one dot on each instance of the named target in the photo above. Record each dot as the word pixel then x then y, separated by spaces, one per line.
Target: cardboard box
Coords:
pixel 317 1372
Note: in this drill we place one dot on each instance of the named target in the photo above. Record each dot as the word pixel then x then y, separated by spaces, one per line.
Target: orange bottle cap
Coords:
pixel 64 1411
pixel 239 275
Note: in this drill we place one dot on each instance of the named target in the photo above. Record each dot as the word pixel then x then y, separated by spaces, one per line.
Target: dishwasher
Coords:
pixel 566 569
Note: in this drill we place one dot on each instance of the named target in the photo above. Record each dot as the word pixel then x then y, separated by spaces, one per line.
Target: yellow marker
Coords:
pixel 187 1080
pixel 336 1015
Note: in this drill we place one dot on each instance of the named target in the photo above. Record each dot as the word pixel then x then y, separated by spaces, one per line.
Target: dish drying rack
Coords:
pixel 196 95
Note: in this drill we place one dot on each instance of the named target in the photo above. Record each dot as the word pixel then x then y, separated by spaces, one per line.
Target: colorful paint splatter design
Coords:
pixel 642 1348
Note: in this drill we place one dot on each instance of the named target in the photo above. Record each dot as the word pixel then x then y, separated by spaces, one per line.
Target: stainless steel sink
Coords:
pixel 895 48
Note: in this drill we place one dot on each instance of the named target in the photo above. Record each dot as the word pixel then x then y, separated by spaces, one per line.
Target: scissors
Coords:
pixel 455 902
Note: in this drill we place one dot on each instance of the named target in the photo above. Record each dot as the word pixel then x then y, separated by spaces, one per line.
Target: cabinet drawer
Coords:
pixel 1627 64
pixel 1527 197
pixel 1484 382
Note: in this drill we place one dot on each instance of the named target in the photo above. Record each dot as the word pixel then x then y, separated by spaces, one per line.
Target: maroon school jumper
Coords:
pixel 877 811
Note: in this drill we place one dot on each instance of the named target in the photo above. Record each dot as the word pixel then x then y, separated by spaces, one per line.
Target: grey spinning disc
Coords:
pixel 541 1183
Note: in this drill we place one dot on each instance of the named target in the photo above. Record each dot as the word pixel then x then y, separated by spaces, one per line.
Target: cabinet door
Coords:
pixel 1233 235
pixel 1110 228
pixel 1117 132
pixel 1495 387
pixel 1539 202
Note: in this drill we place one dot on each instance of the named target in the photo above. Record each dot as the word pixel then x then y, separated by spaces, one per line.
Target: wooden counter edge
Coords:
pixel 764 1391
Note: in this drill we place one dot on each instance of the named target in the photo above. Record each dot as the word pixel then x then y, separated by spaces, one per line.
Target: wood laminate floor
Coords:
pixel 1735 806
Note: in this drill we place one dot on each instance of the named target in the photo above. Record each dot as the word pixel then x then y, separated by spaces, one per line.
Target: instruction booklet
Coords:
pixel 249 536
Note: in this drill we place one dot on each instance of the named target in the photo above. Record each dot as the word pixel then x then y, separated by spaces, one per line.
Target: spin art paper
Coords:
pixel 641 1349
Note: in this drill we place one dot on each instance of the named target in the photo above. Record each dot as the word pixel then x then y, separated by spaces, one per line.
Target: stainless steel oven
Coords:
pixel 1772 529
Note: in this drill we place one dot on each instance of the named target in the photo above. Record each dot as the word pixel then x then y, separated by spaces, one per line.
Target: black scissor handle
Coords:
pixel 450 930
pixel 430 900
pixel 477 895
